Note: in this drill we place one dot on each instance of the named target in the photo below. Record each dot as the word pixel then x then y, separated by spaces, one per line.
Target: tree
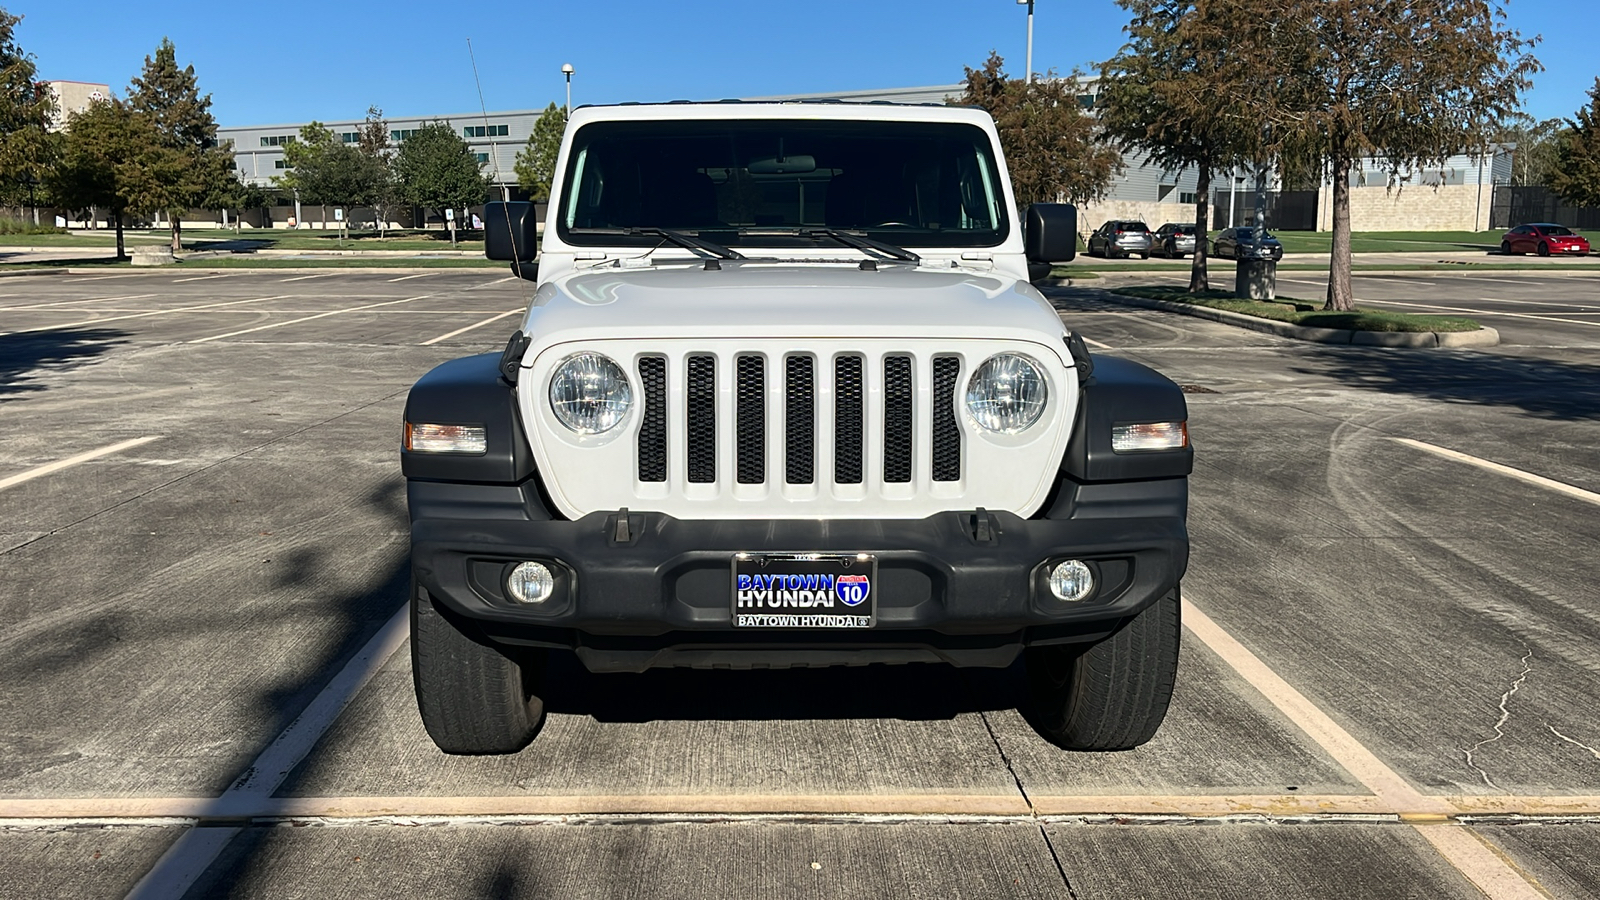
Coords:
pixel 536 162
pixel 325 171
pixel 25 117
pixel 374 145
pixel 1177 92
pixel 436 170
pixel 233 192
pixel 1576 175
pixel 1048 140
pixel 170 98
pixel 1533 149
pixel 1410 82
pixel 109 157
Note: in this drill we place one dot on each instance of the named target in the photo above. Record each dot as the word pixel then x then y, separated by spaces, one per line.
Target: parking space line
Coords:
pixel 101 277
pixel 1559 487
pixel 196 849
pixel 218 337
pixel 199 278
pixel 492 319
pixel 1478 312
pixel 159 312
pixel 1429 816
pixel 1094 343
pixel 1402 280
pixel 304 277
pixel 60 303
pixel 71 461
pixel 409 277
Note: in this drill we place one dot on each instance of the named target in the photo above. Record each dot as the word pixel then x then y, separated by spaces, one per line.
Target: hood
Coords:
pixel 789 300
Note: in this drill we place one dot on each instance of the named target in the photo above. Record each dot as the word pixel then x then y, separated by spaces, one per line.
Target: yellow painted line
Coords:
pixel 1559 487
pixel 1502 805
pixel 143 315
pixel 336 312
pixel 1492 873
pixel 492 319
pixel 1205 805
pixel 71 461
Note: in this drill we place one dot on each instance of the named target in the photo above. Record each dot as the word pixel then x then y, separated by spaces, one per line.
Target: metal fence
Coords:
pixel 1286 210
pixel 1518 205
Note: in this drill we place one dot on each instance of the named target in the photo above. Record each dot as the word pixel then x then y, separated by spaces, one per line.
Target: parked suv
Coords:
pixel 784 396
pixel 1246 242
pixel 1174 240
pixel 1121 238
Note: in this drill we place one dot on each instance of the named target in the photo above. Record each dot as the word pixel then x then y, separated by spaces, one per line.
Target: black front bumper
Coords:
pixel 965 587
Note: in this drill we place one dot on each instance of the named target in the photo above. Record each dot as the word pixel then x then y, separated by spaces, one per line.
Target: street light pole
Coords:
pixel 567 70
pixel 1029 78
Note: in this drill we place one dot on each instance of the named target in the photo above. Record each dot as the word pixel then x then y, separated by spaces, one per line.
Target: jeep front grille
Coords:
pixel 797 408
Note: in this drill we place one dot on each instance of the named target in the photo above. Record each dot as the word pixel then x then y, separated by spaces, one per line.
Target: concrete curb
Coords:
pixel 23 273
pixel 1483 337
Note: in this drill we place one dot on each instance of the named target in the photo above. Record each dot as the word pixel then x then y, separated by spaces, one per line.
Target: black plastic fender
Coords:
pixel 1120 392
pixel 469 391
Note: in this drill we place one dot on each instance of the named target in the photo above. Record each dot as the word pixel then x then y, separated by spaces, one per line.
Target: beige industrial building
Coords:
pixel 72 97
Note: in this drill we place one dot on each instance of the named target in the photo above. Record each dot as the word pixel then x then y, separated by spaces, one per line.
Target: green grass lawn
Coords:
pixel 1392 241
pixel 1301 312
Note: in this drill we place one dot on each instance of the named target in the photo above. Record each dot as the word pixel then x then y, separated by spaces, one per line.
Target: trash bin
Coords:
pixel 1255 279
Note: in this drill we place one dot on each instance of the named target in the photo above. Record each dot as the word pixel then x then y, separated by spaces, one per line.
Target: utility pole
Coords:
pixel 1029 78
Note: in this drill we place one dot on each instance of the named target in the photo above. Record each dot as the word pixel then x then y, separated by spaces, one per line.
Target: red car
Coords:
pixel 1544 239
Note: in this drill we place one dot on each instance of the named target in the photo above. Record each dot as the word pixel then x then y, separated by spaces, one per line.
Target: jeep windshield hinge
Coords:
pixel 1081 360
pixel 511 358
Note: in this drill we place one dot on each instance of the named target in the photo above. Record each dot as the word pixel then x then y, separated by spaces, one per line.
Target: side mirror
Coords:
pixel 510 231
pixel 1051 233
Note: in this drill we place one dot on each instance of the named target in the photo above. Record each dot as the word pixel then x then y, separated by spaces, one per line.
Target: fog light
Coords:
pixel 1071 581
pixel 531 582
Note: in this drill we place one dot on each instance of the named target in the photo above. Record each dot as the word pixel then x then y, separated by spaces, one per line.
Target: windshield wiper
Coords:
pixel 863 243
pixel 686 241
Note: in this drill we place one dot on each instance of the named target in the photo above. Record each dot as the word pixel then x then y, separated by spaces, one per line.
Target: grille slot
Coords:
pixel 653 426
pixel 700 398
pixel 898 396
pixel 946 434
pixel 800 417
pixel 848 420
pixel 750 428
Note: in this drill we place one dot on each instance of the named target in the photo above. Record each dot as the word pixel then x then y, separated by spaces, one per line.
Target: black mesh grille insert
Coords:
pixel 847 420
pixel 800 411
pixel 653 428
pixel 750 426
pixel 897 400
pixel 946 435
pixel 700 396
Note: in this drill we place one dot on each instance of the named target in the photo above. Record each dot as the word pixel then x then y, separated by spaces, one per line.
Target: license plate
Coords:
pixel 804 590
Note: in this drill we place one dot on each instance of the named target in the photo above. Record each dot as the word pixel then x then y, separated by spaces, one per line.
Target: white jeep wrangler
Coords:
pixel 784 396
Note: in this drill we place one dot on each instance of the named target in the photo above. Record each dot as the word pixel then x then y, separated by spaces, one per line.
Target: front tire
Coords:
pixel 1114 694
pixel 1544 249
pixel 1505 248
pixel 473 696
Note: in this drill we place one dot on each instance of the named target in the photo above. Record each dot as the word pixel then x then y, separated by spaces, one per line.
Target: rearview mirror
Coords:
pixel 788 165
pixel 510 231
pixel 1051 233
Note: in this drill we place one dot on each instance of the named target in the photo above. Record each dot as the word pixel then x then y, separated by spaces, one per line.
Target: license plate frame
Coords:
pixel 848 582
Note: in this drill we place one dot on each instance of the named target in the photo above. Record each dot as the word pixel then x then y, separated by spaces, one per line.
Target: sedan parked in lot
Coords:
pixel 1247 242
pixel 1121 238
pixel 1545 239
pixel 1174 240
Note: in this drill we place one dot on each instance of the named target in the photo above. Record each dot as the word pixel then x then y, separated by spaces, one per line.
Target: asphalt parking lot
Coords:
pixel 1390 674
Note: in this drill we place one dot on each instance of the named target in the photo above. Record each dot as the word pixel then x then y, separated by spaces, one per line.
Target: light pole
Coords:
pixel 1029 3
pixel 567 70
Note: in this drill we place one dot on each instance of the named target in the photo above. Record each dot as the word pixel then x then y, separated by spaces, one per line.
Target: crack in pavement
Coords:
pixel 1505 716
pixel 1593 751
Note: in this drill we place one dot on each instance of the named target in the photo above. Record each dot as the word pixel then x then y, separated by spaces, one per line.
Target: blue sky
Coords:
pixel 293 60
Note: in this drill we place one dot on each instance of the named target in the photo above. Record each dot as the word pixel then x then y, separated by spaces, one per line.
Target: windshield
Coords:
pixel 761 182
pixel 1557 230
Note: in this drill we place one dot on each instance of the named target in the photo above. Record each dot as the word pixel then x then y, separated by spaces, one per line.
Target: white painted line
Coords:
pixel 196 849
pixel 100 278
pixel 218 337
pixel 495 282
pixel 1559 487
pixel 1491 873
pixel 443 337
pixel 159 312
pixel 199 278
pixel 70 461
pixel 409 277
pixel 304 277
pixel 1401 279
pixel 1095 343
pixel 1533 303
pixel 1487 867
pixel 59 303
pixel 1478 312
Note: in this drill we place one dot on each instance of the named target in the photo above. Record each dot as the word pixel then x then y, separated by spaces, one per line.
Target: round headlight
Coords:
pixel 1007 394
pixel 590 394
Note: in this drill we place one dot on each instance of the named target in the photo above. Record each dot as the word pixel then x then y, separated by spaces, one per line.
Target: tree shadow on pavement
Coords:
pixel 27 356
pixel 1544 388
